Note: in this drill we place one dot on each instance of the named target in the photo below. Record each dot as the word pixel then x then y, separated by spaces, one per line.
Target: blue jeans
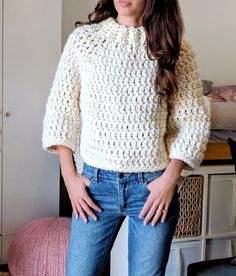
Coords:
pixel 120 195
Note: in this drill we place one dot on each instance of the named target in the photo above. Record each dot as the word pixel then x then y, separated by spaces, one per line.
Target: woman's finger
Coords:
pixel 86 180
pixel 147 205
pixel 159 213
pixel 74 210
pixel 81 211
pixel 151 212
pixel 88 210
pixel 163 218
pixel 91 203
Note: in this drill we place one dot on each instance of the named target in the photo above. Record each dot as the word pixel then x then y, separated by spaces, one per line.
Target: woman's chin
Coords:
pixel 125 12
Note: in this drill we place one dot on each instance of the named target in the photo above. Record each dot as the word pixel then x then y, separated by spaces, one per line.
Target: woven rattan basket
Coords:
pixel 190 196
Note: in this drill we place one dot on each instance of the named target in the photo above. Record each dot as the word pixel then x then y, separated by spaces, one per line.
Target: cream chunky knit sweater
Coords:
pixel 102 103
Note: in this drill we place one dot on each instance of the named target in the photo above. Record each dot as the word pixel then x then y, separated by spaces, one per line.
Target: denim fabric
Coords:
pixel 120 195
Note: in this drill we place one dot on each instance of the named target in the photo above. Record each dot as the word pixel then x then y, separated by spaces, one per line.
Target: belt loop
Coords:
pixel 95 175
pixel 140 177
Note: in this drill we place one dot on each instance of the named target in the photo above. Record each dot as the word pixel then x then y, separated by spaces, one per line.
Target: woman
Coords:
pixel 127 99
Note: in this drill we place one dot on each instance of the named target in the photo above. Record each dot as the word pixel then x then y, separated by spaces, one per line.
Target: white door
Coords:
pixel 1 5
pixel 31 49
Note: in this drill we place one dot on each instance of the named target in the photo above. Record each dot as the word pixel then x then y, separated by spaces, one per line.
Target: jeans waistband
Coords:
pixel 95 173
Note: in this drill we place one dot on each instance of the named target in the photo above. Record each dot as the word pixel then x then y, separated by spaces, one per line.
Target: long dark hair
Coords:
pixel 163 25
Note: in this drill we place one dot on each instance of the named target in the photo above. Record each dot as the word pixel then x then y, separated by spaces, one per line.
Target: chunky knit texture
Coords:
pixel 103 105
pixel 39 248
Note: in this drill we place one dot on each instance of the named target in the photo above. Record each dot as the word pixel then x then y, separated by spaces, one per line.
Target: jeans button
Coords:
pixel 122 174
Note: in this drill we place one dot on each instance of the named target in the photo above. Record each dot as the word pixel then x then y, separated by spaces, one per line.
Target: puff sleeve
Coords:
pixel 61 120
pixel 188 124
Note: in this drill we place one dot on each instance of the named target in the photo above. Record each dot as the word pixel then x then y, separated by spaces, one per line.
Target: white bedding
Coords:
pixel 223 120
pixel 221 135
pixel 223 115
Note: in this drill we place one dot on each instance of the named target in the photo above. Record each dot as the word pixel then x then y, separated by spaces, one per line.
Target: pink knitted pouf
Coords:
pixel 39 248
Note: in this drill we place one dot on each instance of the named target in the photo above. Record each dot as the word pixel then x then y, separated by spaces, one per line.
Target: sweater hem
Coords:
pixel 127 168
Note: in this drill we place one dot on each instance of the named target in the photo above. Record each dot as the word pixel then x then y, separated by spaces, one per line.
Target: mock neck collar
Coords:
pixel 116 25
pixel 123 34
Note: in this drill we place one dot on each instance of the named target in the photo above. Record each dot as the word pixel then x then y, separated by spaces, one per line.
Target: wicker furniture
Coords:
pixel 190 196
pixel 206 228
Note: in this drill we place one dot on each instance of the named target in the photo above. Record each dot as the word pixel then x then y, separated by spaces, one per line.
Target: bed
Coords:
pixel 223 124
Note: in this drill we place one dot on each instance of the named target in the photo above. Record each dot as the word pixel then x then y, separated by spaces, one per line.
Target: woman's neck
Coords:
pixel 129 21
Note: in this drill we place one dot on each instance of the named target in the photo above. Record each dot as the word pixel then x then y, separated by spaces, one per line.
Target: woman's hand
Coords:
pixel 80 200
pixel 161 193
pixel 76 185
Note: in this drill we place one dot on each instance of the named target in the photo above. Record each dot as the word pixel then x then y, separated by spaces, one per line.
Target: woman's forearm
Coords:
pixel 174 169
pixel 66 161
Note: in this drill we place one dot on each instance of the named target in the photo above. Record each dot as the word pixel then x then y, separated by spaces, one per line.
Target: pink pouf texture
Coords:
pixel 39 248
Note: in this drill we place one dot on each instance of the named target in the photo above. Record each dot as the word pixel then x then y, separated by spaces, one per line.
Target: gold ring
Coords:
pixel 163 211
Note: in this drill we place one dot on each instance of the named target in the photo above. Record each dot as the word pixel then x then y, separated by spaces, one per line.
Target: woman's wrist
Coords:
pixel 68 174
pixel 68 169
pixel 173 170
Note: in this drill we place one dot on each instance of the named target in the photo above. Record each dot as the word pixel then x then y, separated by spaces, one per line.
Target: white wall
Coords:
pixel 72 11
pixel 211 28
